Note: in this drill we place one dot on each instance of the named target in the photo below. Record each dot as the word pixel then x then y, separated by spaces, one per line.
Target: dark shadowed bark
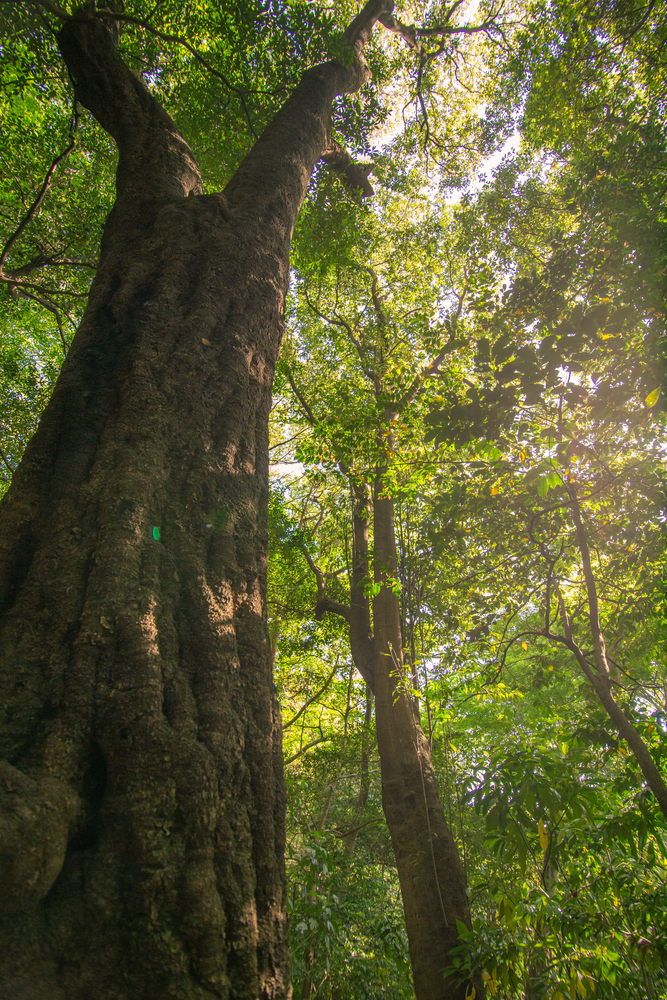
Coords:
pixel 141 788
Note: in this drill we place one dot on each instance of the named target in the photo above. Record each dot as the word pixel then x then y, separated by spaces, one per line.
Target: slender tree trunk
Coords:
pixel 600 678
pixel 364 778
pixel 142 797
pixel 361 633
pixel 432 879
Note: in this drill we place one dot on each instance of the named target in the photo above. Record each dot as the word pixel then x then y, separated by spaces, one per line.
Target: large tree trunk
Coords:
pixel 432 879
pixel 141 833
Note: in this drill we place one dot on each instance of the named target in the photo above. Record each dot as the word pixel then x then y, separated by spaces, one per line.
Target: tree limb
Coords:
pixel 324 603
pixel 46 183
pixel 339 160
pixel 301 752
pixel 310 416
pixel 312 699
pixel 344 325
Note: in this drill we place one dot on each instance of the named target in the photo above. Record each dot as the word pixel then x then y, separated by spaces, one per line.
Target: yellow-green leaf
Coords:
pixel 653 397
pixel 544 838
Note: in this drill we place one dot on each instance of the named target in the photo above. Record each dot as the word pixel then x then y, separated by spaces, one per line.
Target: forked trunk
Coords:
pixel 141 834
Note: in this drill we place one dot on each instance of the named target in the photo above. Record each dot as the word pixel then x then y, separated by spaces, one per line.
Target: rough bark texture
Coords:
pixel 141 791
pixel 432 879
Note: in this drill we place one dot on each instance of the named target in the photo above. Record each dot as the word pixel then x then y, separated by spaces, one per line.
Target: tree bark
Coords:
pixel 142 797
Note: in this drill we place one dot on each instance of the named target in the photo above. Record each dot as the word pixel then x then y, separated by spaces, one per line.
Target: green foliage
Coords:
pixel 349 909
pixel 540 289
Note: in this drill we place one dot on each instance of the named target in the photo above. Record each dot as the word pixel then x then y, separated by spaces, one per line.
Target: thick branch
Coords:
pixel 283 158
pixel 377 300
pixel 324 603
pixel 154 158
pixel 310 700
pixel 359 32
pixel 339 160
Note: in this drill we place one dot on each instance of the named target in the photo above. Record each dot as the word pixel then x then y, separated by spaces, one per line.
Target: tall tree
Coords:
pixel 142 835
pixel 376 333
pixel 142 831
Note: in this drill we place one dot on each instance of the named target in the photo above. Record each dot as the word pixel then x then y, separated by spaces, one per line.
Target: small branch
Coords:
pixel 428 372
pixel 300 753
pixel 46 183
pixel 44 261
pixel 310 416
pixel 48 304
pixel 355 829
pixel 343 324
pixel 591 590
pixel 281 444
pixel 53 8
pixel 29 286
pixel 311 700
pixel 411 34
pixel 602 686
pixel 6 461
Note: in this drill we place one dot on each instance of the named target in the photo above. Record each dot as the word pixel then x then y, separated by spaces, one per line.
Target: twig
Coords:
pixel 6 461
pixel 46 183
pixel 312 699
pixel 299 753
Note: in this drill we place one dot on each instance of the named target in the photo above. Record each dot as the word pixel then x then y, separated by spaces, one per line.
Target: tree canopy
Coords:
pixel 475 330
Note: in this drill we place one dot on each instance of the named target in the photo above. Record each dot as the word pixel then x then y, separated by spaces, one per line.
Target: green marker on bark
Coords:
pixel 156 534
